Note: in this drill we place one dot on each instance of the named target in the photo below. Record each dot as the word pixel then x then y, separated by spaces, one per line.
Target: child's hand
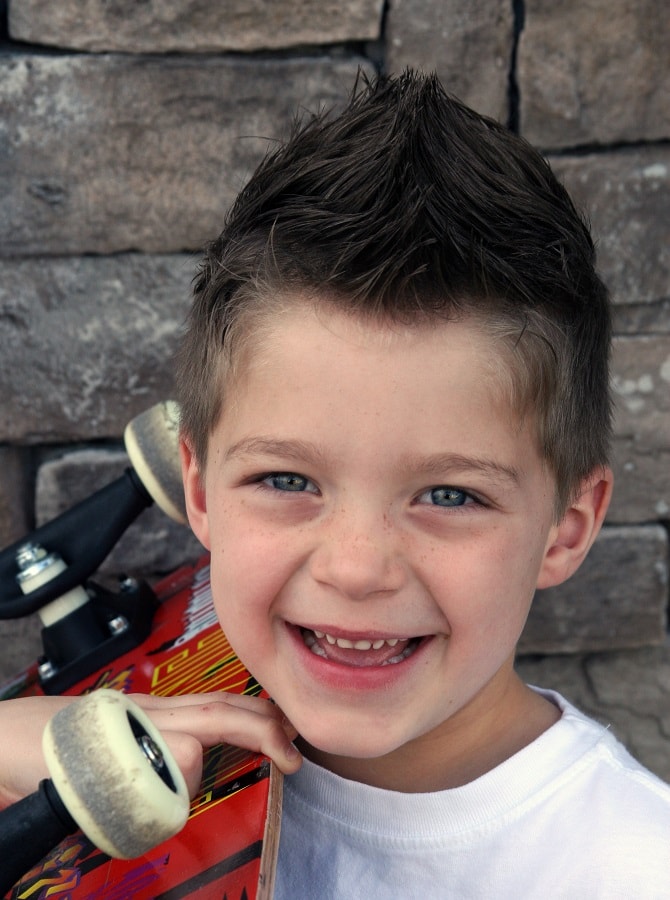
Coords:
pixel 189 724
pixel 194 721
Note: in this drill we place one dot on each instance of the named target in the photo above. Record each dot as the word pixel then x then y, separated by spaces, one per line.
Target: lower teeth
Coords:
pixel 409 649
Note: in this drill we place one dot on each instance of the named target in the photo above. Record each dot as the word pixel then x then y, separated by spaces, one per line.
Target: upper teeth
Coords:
pixel 346 644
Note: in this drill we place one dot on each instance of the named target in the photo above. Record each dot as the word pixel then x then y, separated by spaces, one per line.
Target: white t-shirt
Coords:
pixel 572 815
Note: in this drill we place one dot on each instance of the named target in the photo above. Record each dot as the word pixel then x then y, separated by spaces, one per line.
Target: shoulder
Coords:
pixel 605 785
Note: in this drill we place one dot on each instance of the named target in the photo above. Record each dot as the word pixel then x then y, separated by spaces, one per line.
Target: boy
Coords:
pixel 395 426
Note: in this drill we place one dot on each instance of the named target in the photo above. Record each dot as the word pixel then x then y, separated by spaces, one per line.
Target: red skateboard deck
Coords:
pixel 229 844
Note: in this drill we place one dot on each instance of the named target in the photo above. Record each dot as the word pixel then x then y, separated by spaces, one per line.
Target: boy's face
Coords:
pixel 378 520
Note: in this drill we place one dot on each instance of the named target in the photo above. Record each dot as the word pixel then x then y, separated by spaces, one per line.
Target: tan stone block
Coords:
pixel 467 42
pixel 594 71
pixel 187 26
pixel 87 342
pixel 617 598
pixel 626 195
pixel 102 154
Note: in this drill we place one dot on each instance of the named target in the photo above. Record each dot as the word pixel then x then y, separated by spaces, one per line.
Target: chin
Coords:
pixel 341 743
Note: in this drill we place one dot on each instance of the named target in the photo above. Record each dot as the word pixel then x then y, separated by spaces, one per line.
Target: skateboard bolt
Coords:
pixel 32 559
pixel 29 553
pixel 46 670
pixel 151 751
pixel 118 625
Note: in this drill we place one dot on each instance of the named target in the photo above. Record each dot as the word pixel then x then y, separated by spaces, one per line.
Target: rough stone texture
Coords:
pixel 628 691
pixel 616 599
pixel 641 385
pixel 111 153
pixel 94 336
pixel 153 544
pixel 14 484
pixel 21 645
pixel 192 25
pixel 594 71
pixel 626 195
pixel 467 42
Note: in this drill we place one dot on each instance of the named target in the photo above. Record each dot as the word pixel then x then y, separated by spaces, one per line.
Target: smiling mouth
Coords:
pixel 361 653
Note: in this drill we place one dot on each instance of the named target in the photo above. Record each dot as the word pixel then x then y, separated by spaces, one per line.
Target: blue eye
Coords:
pixel 445 496
pixel 289 481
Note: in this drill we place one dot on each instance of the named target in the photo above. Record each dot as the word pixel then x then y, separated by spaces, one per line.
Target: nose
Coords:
pixel 357 554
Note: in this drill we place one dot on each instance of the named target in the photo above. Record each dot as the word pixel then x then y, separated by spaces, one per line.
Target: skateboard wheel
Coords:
pixel 152 444
pixel 115 775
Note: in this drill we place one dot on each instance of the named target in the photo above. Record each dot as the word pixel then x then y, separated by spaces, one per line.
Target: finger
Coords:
pixel 187 752
pixel 244 701
pixel 261 728
pixel 257 705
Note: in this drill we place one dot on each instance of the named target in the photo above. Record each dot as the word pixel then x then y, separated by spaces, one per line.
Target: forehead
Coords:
pixel 298 316
pixel 308 344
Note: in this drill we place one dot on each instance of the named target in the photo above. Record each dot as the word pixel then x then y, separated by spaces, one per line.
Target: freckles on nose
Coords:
pixel 357 562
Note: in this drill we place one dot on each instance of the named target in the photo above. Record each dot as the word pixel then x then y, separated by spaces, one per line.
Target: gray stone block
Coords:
pixel 13 489
pixel 594 72
pixel 617 599
pixel 187 26
pixel 628 691
pixel 467 42
pixel 641 451
pixel 21 645
pixel 87 342
pixel 626 195
pixel 100 154
pixel 644 318
pixel 153 544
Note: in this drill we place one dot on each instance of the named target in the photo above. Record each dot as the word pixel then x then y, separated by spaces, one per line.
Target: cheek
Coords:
pixel 485 592
pixel 248 569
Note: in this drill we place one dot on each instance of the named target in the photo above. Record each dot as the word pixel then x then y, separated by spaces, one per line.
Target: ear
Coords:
pixel 194 493
pixel 571 539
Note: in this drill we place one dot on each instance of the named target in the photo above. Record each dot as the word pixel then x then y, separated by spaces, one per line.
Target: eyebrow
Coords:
pixel 437 464
pixel 300 451
pixel 440 463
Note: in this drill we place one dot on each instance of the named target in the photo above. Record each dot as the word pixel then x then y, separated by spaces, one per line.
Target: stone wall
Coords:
pixel 126 129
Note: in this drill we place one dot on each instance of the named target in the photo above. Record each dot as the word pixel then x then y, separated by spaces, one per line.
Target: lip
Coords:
pixel 341 677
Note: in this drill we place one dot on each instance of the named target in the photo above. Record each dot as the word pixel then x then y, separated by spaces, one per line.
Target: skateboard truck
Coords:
pixel 85 625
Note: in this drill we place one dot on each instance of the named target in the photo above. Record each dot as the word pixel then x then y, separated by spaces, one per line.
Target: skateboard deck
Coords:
pixel 228 847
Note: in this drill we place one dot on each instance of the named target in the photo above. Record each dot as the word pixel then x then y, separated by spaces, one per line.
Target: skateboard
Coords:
pixel 102 645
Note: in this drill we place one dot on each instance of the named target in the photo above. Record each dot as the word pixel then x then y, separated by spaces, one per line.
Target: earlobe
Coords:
pixel 571 539
pixel 194 493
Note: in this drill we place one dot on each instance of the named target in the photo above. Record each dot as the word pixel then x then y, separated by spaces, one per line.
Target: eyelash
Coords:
pixel 468 498
pixel 262 483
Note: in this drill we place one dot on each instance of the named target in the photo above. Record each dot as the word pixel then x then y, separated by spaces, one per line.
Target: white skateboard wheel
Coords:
pixel 98 751
pixel 152 444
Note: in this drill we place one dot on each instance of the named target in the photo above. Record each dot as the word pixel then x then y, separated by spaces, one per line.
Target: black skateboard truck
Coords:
pixel 49 572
